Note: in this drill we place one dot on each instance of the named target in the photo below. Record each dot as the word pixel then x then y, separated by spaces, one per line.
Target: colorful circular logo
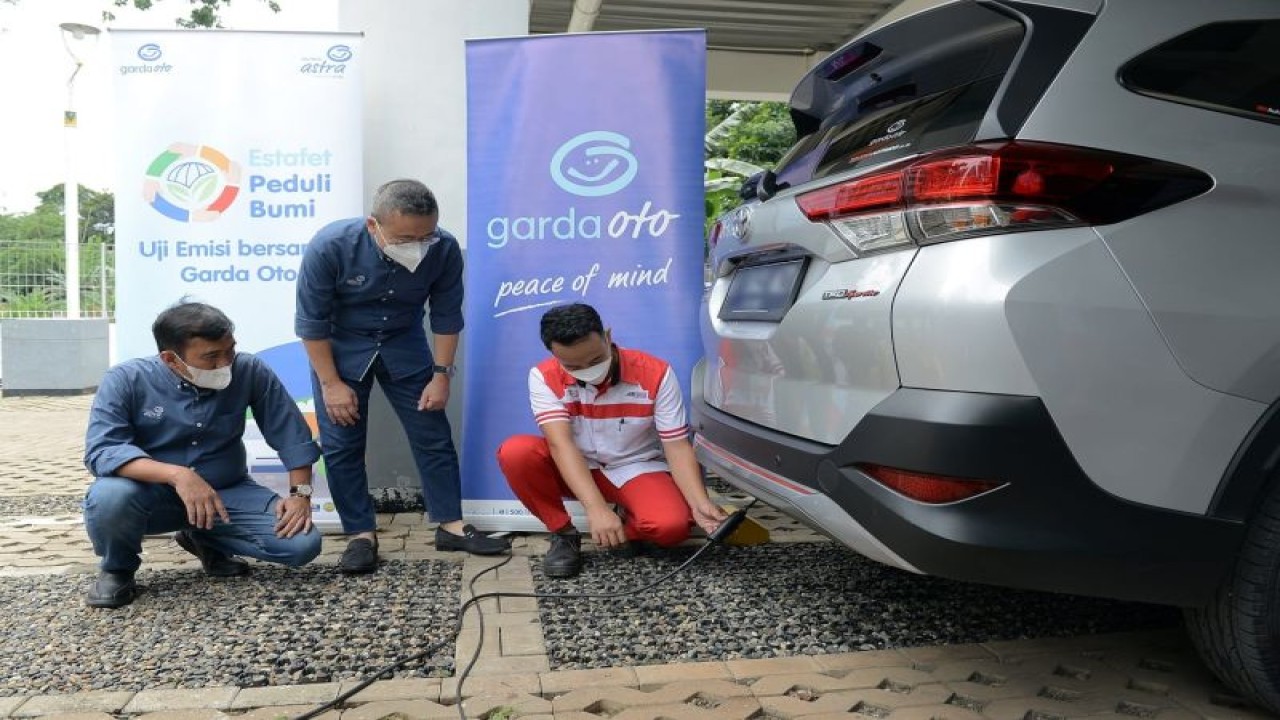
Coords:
pixel 191 183
pixel 339 53
pixel 594 164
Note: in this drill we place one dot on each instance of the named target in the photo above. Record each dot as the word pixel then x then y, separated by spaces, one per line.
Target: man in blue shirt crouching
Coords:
pixel 164 444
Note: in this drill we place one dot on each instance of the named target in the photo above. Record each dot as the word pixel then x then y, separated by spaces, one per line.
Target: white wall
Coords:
pixel 415 125
pixel 415 90
pixel 733 75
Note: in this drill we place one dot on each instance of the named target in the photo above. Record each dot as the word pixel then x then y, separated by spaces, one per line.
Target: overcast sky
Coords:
pixel 35 66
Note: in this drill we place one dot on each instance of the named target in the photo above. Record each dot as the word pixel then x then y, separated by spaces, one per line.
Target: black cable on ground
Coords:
pixel 716 537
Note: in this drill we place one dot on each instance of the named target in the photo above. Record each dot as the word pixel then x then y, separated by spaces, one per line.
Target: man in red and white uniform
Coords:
pixel 614 432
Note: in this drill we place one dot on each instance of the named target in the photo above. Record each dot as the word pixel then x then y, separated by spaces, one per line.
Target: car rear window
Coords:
pixel 1231 67
pixel 920 84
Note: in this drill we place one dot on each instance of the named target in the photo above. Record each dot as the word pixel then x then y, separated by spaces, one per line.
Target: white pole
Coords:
pixel 102 280
pixel 71 215
pixel 584 15
pixel 72 34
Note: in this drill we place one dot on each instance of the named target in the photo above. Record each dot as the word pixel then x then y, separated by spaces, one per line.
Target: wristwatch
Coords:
pixel 300 491
pixel 446 370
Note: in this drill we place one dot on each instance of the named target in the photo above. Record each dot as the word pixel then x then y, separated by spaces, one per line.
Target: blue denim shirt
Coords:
pixel 367 305
pixel 145 410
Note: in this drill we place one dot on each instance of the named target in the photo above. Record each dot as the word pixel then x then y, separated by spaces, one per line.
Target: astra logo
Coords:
pixel 333 64
pixel 594 164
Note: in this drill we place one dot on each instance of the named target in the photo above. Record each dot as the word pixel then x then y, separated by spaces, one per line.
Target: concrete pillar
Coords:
pixel 415 126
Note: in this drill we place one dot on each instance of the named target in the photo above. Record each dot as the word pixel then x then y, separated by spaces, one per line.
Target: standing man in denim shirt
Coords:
pixel 164 443
pixel 363 288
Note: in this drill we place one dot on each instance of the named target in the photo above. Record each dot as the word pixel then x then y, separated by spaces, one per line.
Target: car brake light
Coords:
pixel 927 488
pixel 876 191
pixel 997 187
pixel 713 237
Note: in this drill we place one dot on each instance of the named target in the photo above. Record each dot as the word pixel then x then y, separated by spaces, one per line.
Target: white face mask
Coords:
pixel 409 254
pixel 595 374
pixel 217 379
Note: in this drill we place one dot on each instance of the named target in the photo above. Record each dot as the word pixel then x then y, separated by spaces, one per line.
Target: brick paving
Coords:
pixel 1121 675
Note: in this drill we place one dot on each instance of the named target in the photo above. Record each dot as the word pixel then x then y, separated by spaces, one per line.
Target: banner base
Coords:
pixel 498 515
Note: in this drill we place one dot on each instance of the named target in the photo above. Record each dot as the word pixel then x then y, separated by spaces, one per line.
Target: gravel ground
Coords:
pixel 40 505
pixel 278 627
pixel 797 599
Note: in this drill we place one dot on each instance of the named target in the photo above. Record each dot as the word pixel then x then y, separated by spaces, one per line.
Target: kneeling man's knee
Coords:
pixel 301 548
pixel 518 452
pixel 110 497
pixel 666 531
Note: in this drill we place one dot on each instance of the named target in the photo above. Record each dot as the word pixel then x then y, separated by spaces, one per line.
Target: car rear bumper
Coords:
pixel 1049 528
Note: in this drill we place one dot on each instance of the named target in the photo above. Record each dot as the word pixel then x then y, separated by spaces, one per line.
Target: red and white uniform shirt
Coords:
pixel 619 427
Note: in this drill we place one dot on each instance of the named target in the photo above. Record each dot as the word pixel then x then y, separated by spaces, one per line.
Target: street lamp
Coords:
pixel 78 39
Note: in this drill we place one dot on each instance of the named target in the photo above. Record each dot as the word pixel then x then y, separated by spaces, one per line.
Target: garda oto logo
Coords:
pixel 339 53
pixel 594 164
pixel 149 54
pixel 191 183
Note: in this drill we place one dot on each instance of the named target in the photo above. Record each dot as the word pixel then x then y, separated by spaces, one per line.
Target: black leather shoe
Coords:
pixel 564 557
pixel 215 564
pixel 112 590
pixel 472 541
pixel 360 557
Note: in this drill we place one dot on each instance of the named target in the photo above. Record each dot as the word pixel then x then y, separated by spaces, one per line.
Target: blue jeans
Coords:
pixel 430 440
pixel 119 511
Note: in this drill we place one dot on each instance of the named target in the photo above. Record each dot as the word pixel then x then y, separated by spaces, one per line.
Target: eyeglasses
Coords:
pixel 429 239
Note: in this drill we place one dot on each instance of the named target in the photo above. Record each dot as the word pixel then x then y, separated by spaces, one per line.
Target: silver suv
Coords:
pixel 1009 310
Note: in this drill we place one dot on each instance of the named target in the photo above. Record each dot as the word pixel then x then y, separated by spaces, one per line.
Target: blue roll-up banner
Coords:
pixel 585 157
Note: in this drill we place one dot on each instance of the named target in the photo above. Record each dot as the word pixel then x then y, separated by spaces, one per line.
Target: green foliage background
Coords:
pixel 31 250
pixel 754 132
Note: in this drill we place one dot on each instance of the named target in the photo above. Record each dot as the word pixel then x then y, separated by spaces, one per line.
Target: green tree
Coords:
pixel 755 132
pixel 97 211
pixel 32 254
pixel 203 13
pixel 744 138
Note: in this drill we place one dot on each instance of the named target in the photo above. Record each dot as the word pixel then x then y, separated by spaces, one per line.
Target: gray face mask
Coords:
pixel 216 379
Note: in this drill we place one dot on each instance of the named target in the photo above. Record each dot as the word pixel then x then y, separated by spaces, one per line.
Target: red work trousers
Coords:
pixel 655 509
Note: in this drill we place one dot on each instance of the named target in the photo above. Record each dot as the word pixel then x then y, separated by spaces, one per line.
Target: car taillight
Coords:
pixel 997 187
pixel 927 488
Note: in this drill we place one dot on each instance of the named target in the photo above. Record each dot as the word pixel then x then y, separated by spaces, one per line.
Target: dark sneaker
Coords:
pixel 471 540
pixel 360 557
pixel 112 590
pixel 564 557
pixel 215 564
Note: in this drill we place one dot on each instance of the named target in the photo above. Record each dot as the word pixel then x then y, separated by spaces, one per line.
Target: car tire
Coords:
pixel 1238 632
